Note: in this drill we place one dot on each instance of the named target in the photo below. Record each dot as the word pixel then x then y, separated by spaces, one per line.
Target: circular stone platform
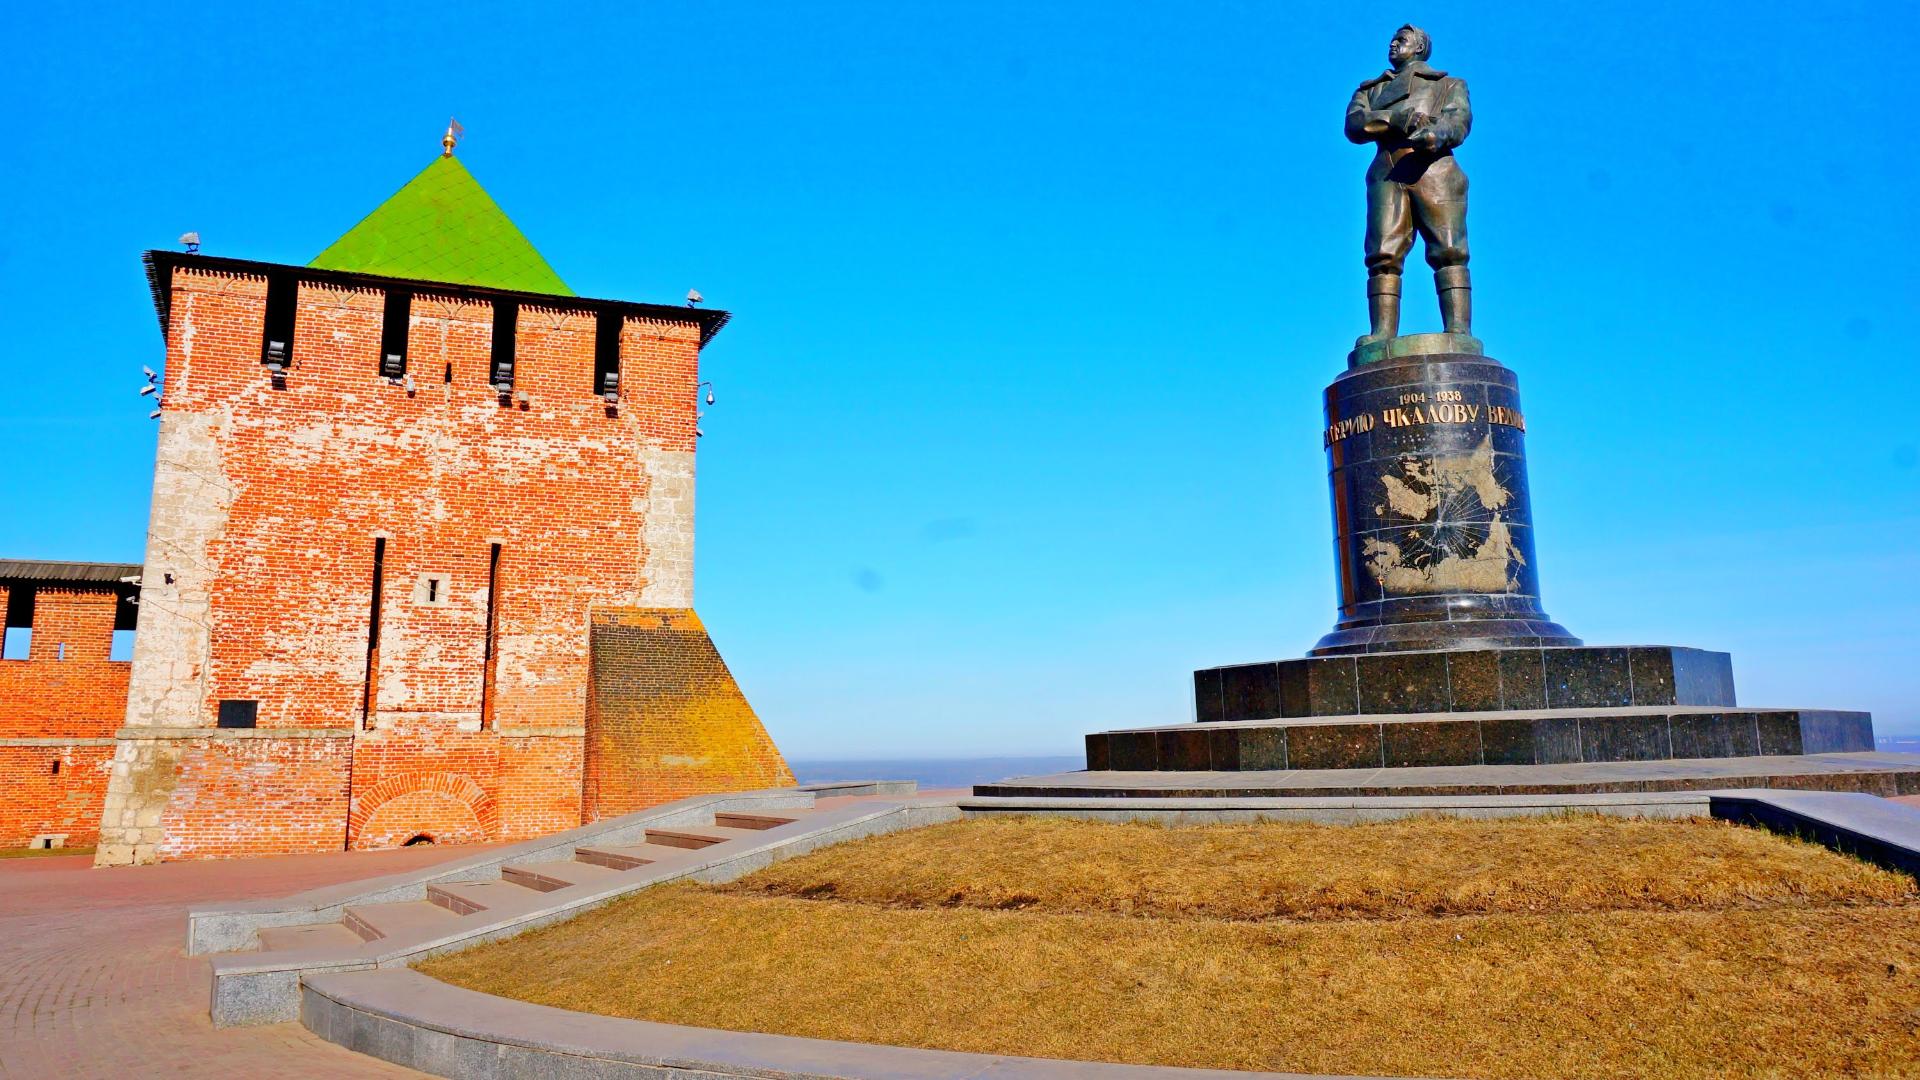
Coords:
pixel 1873 773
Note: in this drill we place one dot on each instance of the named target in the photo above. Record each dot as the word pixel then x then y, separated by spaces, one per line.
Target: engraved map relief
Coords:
pixel 1461 542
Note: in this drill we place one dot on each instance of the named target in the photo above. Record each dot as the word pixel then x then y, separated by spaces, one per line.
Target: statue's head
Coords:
pixel 1409 43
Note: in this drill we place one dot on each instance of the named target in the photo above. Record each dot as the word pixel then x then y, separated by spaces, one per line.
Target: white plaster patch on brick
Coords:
pixel 191 497
pixel 395 689
pixel 298 653
pixel 666 508
pixel 530 661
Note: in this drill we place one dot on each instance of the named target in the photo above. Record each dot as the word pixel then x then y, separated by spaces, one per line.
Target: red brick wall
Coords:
pixel 81 699
pixel 317 464
pixel 38 801
pixel 254 796
pixel 666 719
pixel 438 783
pixel 539 789
pixel 54 710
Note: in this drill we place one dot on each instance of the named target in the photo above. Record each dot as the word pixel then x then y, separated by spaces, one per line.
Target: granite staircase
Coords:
pixel 264 949
pixel 524 887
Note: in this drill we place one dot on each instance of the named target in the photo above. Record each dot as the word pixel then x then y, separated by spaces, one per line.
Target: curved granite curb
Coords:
pixel 401 1016
pixel 408 1019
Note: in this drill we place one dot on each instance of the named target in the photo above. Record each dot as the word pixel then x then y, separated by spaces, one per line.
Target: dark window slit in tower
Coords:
pixel 606 355
pixel 506 324
pixel 393 333
pixel 56 766
pixel 486 647
pixel 373 632
pixel 276 334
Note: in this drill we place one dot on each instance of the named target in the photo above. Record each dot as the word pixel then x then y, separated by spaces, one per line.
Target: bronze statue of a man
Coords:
pixel 1416 116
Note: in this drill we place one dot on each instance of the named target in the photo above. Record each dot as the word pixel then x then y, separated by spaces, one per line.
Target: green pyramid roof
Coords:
pixel 443 226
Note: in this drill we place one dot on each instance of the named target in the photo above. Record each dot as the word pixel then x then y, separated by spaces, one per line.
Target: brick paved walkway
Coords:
pixel 94 981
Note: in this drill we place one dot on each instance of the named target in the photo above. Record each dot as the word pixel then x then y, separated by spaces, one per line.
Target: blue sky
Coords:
pixel 1018 417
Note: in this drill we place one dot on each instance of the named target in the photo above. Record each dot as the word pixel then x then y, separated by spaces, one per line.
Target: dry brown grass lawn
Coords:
pixel 1403 869
pixel 1568 948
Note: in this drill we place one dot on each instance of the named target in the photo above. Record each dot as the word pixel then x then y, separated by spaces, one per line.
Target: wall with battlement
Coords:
pixel 59 708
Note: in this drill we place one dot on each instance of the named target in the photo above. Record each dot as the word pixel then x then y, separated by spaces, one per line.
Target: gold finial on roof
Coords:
pixel 454 131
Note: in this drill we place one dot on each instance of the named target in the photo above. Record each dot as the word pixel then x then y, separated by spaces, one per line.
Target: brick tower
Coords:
pixel 403 494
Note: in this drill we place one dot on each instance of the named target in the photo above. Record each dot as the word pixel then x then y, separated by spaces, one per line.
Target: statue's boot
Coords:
pixel 1383 308
pixel 1456 299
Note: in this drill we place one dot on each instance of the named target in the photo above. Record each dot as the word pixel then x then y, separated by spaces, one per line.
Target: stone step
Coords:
pixel 696 837
pixel 736 832
pixel 1516 737
pixel 309 936
pixel 557 874
pixel 734 819
pixel 628 856
pixel 467 897
pixel 404 918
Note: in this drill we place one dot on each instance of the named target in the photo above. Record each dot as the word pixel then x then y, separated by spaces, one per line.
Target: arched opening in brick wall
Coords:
pixel 432 808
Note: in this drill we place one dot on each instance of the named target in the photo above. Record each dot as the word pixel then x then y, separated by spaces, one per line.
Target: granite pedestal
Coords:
pixel 1433 527
pixel 1442 656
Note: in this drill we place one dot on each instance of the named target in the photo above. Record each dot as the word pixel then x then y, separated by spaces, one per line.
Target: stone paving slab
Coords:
pixel 1880 830
pixel 405 1017
pixel 1342 810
